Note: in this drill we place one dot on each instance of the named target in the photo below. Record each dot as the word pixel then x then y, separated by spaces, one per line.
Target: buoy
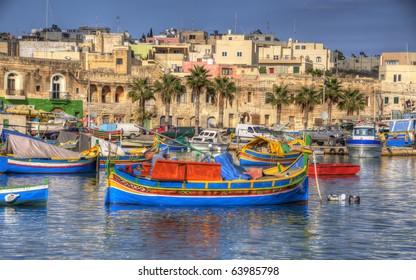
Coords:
pixel 335 197
pixel 354 199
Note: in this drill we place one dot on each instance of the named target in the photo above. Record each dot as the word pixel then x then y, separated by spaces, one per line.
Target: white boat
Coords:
pixel 210 140
pixel 364 142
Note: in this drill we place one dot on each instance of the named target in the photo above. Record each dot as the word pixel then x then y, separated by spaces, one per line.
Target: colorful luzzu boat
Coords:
pixel 262 151
pixel 220 183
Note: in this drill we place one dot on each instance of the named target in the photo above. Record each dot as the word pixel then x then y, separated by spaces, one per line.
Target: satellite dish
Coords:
pixel 68 57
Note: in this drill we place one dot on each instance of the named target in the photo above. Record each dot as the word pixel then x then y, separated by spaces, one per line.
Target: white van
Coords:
pixel 130 130
pixel 246 132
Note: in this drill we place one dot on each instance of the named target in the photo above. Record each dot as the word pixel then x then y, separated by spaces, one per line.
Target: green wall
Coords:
pixel 72 107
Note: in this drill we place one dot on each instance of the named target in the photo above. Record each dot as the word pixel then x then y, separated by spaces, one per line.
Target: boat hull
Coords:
pixel 51 166
pixel 333 169
pixel 134 161
pixel 364 148
pixel 24 195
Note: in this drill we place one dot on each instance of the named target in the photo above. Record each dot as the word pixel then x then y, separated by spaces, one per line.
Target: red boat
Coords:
pixel 334 169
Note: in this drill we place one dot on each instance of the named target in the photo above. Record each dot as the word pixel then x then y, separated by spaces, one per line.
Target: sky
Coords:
pixel 351 26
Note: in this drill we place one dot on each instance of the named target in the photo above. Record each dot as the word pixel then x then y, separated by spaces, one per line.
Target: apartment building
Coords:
pixel 236 49
pixel 397 74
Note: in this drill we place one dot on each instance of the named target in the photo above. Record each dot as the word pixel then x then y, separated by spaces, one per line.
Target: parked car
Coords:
pixel 330 134
pixel 184 131
pixel 160 128
pixel 246 132
pixel 130 130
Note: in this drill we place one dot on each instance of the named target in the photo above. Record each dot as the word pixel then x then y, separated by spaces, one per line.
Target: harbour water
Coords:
pixel 76 225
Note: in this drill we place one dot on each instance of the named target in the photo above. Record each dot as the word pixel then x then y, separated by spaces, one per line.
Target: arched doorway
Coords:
pixel 106 95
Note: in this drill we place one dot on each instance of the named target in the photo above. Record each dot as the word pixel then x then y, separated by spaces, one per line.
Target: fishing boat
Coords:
pixel 210 140
pixel 333 169
pixel 3 164
pixel 363 142
pixel 262 151
pixel 26 155
pixel 24 195
pixel 219 183
pixel 401 133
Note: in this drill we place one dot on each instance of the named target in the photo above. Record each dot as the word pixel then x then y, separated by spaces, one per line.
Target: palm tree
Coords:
pixel 198 81
pixel 307 98
pixel 332 93
pixel 168 86
pixel 278 97
pixel 141 90
pixel 352 101
pixel 225 88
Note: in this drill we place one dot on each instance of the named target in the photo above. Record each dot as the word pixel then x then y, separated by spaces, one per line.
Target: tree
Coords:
pixel 352 101
pixel 168 86
pixel 307 98
pixel 278 97
pixel 225 89
pixel 198 81
pixel 142 91
pixel 332 93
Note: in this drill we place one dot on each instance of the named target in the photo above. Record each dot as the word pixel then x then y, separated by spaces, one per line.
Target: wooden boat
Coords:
pixel 363 142
pixel 262 151
pixel 220 183
pixel 333 169
pixel 26 155
pixel 3 164
pixel 24 195
pixel 210 140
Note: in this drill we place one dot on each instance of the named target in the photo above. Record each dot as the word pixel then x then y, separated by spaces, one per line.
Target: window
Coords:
pixel 249 94
pixel 37 88
pixel 230 38
pixel 295 69
pixel 303 47
pixel 386 100
pixel 267 38
pixel 287 56
pixel 180 98
pixel 56 87
pixel 276 57
pixel 297 47
pixel 227 71
pixel 11 82
pixel 392 62
pixel 396 100
pixel 395 78
pixel 77 90
pixel 382 77
pixel 239 54
pixel 192 37
pixel 224 54
pixel 271 70
pixel 318 59
pixel 399 78
pixel 119 61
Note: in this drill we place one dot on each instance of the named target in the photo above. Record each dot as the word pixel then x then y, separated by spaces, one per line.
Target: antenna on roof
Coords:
pixel 235 24
pixel 118 24
pixel 294 31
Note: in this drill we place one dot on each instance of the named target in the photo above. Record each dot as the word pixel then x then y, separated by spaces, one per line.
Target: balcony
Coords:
pixel 59 97
pixel 15 94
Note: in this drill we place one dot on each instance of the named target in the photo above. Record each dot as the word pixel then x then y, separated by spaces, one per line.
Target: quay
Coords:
pixel 147 141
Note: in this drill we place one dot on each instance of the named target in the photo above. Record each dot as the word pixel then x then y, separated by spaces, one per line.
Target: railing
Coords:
pixel 15 92
pixel 59 95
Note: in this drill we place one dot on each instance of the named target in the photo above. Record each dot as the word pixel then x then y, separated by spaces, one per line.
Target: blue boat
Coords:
pixel 401 133
pixel 3 164
pixel 26 155
pixel 24 195
pixel 220 183
pixel 364 142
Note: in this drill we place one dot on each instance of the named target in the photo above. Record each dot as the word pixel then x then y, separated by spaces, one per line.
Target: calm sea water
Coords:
pixel 75 223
